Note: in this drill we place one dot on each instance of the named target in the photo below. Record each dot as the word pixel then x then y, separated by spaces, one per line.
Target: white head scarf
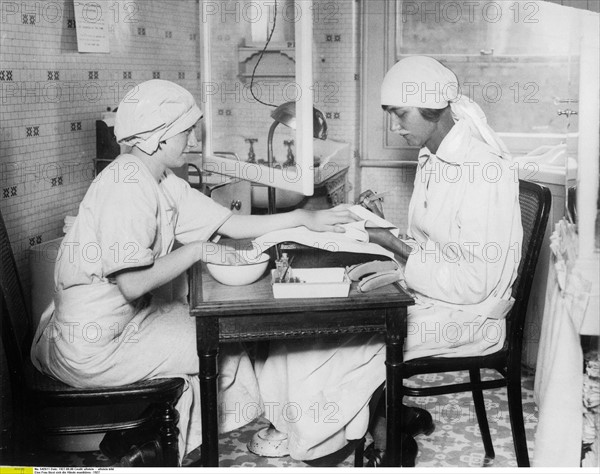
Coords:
pixel 154 111
pixel 421 81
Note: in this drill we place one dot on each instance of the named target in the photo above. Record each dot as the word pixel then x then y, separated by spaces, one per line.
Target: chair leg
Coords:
pixel 484 427
pixel 515 412
pixel 359 453
pixel 169 434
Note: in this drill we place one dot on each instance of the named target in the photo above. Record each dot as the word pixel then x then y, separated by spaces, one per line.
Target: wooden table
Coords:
pixel 249 313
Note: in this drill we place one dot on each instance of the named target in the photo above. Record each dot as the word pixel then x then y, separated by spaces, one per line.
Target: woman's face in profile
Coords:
pixel 410 124
pixel 175 146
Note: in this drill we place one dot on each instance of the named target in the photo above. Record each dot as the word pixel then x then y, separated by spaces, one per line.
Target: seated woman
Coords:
pixel 107 325
pixel 459 265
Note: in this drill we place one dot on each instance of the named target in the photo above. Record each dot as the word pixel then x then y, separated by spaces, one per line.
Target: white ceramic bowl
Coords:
pixel 238 275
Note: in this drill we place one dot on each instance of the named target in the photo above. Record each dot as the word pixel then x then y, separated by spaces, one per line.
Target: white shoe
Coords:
pixel 269 443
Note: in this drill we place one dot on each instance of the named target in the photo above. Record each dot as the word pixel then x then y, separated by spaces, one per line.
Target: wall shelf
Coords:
pixel 277 61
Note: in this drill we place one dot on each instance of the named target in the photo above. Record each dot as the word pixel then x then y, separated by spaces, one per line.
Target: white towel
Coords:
pixel 355 239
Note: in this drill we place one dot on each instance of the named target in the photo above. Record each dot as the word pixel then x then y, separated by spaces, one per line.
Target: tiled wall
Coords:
pixel 51 97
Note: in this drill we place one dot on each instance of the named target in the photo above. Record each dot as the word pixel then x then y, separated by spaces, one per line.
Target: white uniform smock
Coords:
pixel 92 336
pixel 465 219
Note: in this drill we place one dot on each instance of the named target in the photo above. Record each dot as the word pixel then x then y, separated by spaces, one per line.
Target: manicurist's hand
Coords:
pixel 330 220
pixel 372 205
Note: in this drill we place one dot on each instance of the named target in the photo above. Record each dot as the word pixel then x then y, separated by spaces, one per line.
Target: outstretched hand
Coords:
pixel 331 220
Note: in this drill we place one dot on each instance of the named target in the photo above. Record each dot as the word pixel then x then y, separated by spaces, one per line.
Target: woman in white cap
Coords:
pixel 105 326
pixel 460 263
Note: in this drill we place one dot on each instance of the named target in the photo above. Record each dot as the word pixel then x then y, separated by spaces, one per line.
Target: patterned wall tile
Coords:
pixel 50 105
pixel 10 192
pixel 29 19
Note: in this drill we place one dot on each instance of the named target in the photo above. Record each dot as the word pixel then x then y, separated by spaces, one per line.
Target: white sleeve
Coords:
pixel 199 216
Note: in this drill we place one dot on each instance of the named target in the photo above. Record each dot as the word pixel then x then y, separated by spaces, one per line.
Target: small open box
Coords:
pixel 312 283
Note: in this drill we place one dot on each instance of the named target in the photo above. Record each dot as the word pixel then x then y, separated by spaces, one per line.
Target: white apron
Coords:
pixel 91 336
pixel 462 297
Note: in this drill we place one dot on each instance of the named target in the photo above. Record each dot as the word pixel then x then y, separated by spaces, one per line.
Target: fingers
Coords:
pixel 374 206
pixel 364 195
pixel 377 208
pixel 331 220
pixel 345 214
pixel 338 229
pixel 337 216
pixel 342 206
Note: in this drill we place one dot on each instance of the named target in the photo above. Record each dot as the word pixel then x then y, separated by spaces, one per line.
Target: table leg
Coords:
pixel 208 350
pixel 396 332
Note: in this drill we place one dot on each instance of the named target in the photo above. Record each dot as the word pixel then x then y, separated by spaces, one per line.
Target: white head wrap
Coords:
pixel 421 81
pixel 154 111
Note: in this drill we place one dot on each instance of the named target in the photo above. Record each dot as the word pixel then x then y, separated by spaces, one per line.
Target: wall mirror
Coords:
pixel 256 56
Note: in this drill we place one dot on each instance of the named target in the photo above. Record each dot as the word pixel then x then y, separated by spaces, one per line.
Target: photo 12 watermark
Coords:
pixel 470 11
pixel 52 12
pixel 260 11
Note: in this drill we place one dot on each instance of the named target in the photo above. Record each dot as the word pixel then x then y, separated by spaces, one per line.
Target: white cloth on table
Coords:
pixel 91 336
pixel 467 229
pixel 354 239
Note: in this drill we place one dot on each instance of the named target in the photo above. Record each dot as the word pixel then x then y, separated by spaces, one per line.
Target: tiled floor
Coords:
pixel 454 443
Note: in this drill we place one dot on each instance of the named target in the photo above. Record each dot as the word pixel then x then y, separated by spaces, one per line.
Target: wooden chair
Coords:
pixel 535 207
pixel 48 407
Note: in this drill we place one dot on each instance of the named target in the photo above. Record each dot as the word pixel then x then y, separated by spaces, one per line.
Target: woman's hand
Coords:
pixel 372 205
pixel 221 254
pixel 330 220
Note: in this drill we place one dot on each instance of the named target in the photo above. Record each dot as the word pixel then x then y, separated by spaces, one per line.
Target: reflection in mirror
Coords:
pixel 256 56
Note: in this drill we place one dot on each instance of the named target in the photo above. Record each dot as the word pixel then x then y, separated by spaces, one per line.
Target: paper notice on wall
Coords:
pixel 91 26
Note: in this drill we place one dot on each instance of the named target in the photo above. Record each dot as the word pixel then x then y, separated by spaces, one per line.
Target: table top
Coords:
pixel 209 297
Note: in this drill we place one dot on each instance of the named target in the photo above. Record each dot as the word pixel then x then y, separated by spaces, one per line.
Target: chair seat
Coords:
pixel 96 409
pixel 154 389
pixel 432 365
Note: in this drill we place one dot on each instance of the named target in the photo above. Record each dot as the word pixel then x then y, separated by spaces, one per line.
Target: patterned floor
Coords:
pixel 454 443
